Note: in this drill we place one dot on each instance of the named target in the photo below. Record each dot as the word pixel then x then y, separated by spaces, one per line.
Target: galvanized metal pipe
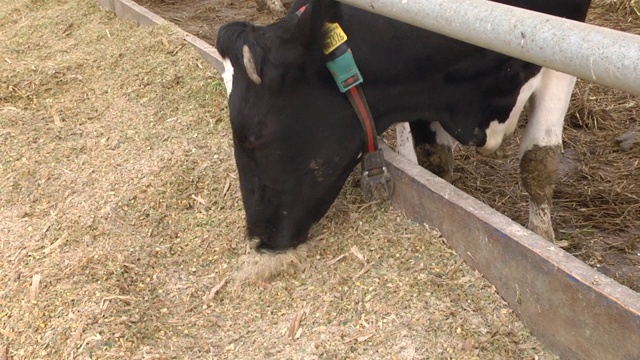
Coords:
pixel 601 55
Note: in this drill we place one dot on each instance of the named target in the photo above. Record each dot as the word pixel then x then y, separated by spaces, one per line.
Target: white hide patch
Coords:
pixel 496 132
pixel 227 75
pixel 548 110
pixel 250 65
pixel 404 142
pixel 442 136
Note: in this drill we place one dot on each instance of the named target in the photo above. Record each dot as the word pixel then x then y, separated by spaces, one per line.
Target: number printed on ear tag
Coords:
pixel 335 37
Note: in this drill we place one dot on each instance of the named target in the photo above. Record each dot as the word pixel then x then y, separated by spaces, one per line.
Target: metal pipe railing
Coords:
pixel 604 56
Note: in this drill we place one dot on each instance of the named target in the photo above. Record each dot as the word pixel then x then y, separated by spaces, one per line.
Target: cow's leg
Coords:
pixel 541 148
pixel 428 145
pixel 434 148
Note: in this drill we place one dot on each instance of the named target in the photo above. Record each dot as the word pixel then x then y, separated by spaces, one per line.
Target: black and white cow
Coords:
pixel 297 138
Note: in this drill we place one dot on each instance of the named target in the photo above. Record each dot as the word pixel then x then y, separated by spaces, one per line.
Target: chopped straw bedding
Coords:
pixel 122 229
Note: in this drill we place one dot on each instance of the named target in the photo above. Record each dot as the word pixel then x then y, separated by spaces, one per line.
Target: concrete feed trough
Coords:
pixel 574 310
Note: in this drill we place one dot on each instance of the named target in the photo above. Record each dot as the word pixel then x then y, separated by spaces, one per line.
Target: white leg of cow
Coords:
pixel 404 142
pixel 541 147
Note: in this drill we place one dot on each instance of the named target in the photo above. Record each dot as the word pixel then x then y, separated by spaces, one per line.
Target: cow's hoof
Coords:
pixel 544 231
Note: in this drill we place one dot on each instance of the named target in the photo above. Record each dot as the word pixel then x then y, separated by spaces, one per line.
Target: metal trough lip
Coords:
pixel 574 310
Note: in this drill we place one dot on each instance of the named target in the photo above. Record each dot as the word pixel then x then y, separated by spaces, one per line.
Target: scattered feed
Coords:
pixel 121 224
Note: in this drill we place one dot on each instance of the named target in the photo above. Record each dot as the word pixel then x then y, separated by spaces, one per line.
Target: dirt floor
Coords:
pixel 597 200
pixel 122 229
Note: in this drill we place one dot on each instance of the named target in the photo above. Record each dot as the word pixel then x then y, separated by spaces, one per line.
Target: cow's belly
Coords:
pixel 498 131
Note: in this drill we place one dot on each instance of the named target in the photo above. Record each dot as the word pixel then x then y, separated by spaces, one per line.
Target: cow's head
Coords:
pixel 296 138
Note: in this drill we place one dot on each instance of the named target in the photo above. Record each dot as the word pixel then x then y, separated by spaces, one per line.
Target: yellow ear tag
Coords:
pixel 335 37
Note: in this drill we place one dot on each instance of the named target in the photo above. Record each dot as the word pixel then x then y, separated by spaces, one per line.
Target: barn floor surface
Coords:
pixel 121 224
pixel 597 199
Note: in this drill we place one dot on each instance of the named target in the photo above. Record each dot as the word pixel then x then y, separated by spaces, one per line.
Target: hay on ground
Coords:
pixel 121 224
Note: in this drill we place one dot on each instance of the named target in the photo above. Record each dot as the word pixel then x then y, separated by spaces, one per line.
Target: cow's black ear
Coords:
pixel 275 54
pixel 296 43
pixel 240 43
pixel 290 48
pixel 309 28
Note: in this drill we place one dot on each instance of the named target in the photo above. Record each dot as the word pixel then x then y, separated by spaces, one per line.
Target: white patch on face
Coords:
pixel 548 110
pixel 227 75
pixel 404 142
pixel 496 132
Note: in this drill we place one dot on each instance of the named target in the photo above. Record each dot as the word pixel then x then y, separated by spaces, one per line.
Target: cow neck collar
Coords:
pixel 347 76
pixel 376 181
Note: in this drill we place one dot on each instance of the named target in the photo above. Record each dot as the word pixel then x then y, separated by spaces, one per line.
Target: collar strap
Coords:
pixel 376 181
pixel 346 74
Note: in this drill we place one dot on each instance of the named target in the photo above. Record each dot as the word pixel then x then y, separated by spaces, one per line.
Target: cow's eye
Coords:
pixel 254 136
